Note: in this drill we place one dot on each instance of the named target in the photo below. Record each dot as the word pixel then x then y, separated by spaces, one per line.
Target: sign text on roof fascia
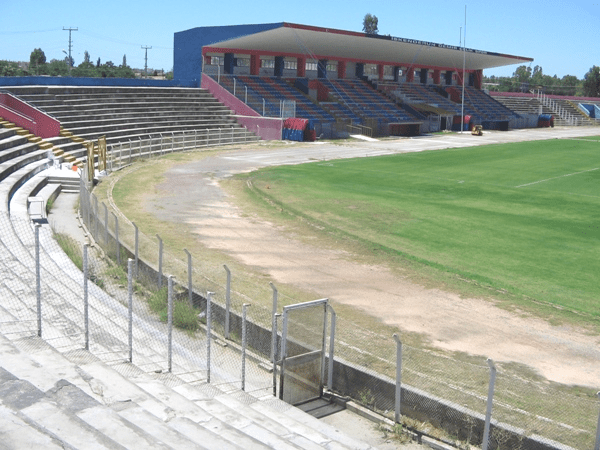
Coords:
pixel 428 44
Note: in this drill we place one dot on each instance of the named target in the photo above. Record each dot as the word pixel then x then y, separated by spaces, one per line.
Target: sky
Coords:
pixel 562 37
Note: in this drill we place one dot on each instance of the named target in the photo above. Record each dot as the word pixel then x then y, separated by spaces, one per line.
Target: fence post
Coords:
pixel 244 308
pixel 490 402
pixel 597 445
pixel 195 137
pixel 105 224
pixel 275 358
pixel 85 297
pixel 117 239
pixel 331 349
pixel 130 306
pixel 227 300
pixel 397 403
pixel 136 249
pixel 38 280
pixel 160 258
pixel 170 321
pixel 246 94
pixel 273 322
pixel 208 325
pixel 172 141
pixel 219 136
pixel 190 285
pixel 95 210
pixel 130 151
pixel 263 107
pixel 234 85
pixel 140 138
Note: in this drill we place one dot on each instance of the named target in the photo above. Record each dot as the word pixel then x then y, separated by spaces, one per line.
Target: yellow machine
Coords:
pixel 477 130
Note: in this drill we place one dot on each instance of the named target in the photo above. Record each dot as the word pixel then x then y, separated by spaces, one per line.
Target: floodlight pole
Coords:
pixel 70 45
pixel 146 59
pixel 462 107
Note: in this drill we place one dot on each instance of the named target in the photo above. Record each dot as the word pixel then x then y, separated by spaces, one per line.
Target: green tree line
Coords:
pixel 39 66
pixel 526 79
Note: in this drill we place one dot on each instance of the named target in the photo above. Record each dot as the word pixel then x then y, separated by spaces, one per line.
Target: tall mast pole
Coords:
pixel 146 63
pixel 70 46
pixel 462 108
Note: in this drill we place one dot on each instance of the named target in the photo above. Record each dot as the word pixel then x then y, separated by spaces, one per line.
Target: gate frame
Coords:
pixel 327 308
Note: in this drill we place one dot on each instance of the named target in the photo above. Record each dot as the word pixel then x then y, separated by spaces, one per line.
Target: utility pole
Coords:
pixel 70 45
pixel 146 63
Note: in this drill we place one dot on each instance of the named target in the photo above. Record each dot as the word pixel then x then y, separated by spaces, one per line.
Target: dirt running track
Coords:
pixel 470 325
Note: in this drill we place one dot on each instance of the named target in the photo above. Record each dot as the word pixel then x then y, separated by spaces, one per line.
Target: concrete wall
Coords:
pixel 267 128
pixel 28 117
pixel 188 44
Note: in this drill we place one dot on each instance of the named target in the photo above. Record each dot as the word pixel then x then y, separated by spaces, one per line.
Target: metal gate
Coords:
pixel 303 350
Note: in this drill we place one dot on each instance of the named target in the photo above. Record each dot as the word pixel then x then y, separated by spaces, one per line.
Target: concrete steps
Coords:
pixel 75 399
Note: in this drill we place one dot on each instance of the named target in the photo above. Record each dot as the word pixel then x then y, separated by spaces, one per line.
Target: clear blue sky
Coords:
pixel 562 37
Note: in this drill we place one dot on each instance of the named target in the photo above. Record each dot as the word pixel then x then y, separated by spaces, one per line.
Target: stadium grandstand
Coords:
pixel 339 78
pixel 84 361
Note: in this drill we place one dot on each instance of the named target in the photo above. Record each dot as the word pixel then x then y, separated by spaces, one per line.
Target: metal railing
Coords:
pixel 557 108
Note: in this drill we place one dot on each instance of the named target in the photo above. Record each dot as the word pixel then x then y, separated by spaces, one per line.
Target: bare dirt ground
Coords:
pixel 476 326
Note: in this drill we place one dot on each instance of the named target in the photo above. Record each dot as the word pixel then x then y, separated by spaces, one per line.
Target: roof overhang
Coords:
pixel 331 44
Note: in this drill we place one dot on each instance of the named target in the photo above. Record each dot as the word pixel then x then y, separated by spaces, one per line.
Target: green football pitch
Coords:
pixel 521 217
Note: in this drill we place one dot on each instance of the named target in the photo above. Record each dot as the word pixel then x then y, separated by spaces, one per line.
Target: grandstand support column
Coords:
pixel 360 70
pixel 341 69
pixel 437 76
pixel 229 63
pixel 459 77
pixel 410 75
pixel 448 78
pixel 279 65
pixel 322 68
pixel 301 66
pixel 478 78
pixel 254 64
pixel 397 73
pixel 380 71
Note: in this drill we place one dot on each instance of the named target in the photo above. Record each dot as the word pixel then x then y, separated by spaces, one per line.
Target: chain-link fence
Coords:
pixel 122 309
pixel 446 392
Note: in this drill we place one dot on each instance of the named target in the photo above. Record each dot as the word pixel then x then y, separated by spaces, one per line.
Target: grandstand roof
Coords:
pixel 327 43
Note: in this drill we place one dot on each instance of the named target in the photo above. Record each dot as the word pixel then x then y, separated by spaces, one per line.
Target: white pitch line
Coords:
pixel 562 176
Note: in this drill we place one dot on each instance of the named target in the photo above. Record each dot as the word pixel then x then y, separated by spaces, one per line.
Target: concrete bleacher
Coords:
pixel 56 394
pixel 127 113
pixel 527 103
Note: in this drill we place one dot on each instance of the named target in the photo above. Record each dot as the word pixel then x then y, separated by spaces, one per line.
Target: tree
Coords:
pixel 98 62
pixel 370 24
pixel 10 69
pixel 86 57
pixel 591 82
pixel 124 61
pixel 36 59
pixel 57 68
pixel 569 85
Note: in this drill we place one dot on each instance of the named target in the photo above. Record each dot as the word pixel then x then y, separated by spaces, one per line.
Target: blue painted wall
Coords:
pixel 187 52
pixel 75 81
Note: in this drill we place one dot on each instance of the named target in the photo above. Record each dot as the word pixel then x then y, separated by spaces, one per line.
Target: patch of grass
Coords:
pixel 49 205
pixel 518 218
pixel 71 247
pixel 185 316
